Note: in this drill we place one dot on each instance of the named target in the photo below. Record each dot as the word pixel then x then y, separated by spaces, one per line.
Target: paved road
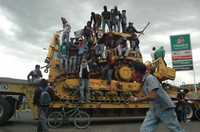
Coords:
pixel 25 124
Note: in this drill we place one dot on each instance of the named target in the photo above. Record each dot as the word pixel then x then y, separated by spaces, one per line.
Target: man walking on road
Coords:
pixel 42 98
pixel 162 110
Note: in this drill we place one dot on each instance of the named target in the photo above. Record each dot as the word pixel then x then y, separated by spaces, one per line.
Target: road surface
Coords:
pixel 24 123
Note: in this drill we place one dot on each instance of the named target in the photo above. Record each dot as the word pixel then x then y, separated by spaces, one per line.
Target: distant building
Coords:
pixel 191 86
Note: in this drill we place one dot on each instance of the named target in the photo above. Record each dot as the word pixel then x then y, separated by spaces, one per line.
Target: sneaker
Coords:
pixel 187 121
pixel 81 101
pixel 88 101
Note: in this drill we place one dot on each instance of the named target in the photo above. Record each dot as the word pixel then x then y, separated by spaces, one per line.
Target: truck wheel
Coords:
pixel 4 110
pixel 12 102
pixel 11 112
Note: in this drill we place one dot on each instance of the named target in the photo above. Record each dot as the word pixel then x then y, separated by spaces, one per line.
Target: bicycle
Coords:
pixel 197 112
pixel 80 119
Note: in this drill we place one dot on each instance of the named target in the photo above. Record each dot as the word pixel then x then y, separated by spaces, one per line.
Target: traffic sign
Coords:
pixel 181 52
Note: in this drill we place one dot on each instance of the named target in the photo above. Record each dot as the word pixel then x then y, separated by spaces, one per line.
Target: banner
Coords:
pixel 181 52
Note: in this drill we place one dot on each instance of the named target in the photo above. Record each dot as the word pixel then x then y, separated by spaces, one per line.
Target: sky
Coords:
pixel 27 26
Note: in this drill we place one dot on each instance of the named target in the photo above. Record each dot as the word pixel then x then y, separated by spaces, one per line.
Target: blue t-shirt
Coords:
pixel 163 101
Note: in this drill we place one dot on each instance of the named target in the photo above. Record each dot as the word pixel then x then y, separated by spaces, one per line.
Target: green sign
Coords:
pixel 181 52
pixel 180 42
pixel 182 62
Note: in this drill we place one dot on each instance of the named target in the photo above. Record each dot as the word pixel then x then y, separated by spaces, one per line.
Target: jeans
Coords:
pixel 123 51
pixel 93 67
pixel 64 63
pixel 109 75
pixel 43 115
pixel 89 43
pixel 99 50
pixel 36 80
pixel 168 117
pixel 108 24
pixel 181 112
pixel 65 37
pixel 116 25
pixel 72 64
pixel 97 25
pixel 84 90
pixel 123 27
pixel 132 45
pixel 81 51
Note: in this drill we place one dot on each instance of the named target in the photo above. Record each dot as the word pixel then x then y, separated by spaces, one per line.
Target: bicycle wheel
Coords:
pixel 188 111
pixel 55 119
pixel 81 120
pixel 197 114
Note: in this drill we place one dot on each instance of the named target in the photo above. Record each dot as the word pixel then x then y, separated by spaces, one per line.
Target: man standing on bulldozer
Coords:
pixel 134 41
pixel 84 81
pixel 105 19
pixel 96 19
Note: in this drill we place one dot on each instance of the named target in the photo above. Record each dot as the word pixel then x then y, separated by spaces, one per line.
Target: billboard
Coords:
pixel 181 52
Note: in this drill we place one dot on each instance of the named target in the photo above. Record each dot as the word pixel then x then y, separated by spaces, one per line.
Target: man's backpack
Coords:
pixel 45 98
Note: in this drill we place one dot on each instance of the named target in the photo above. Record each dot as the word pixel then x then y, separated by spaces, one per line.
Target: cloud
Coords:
pixel 16 67
pixel 7 26
pixel 27 25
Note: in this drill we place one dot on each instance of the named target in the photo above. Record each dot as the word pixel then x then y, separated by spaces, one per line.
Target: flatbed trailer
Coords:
pixel 13 92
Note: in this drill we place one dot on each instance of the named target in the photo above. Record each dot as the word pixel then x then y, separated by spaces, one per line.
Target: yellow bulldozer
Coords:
pixel 104 102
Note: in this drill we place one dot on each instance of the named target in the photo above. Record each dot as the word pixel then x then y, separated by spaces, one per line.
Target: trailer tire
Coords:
pixel 11 112
pixel 4 110
pixel 12 106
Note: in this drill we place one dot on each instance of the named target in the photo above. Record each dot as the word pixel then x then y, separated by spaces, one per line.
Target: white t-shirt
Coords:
pixel 153 55
pixel 67 28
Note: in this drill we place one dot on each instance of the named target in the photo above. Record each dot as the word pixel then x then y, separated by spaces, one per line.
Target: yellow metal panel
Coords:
pixel 125 73
pixel 101 105
pixel 26 89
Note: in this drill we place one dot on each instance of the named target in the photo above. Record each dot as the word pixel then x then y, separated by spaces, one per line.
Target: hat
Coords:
pixel 130 23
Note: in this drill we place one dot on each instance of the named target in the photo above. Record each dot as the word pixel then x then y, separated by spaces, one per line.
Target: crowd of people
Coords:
pixel 88 43
pixel 83 53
